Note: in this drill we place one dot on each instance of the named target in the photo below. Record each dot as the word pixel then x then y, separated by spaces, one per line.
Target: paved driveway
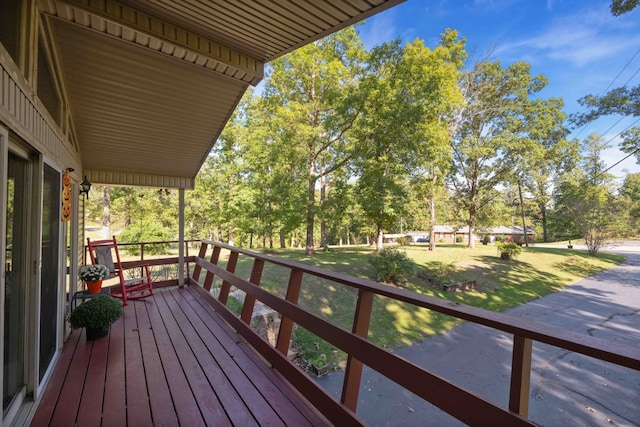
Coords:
pixel 567 389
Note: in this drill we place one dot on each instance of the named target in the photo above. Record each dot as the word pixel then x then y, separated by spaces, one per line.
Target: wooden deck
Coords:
pixel 170 360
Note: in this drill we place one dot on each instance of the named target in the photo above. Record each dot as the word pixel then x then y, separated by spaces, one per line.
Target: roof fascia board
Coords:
pixel 127 179
pixel 187 45
pixel 344 24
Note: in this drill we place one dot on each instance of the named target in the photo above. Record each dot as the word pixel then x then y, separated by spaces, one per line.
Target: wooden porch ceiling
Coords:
pixel 152 83
pixel 170 360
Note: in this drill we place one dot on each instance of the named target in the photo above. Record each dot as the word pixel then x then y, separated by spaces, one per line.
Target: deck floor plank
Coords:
pixel 115 405
pixel 184 401
pixel 52 392
pixel 162 409
pixel 138 409
pixel 262 376
pixel 259 406
pixel 232 403
pixel 93 393
pixel 209 404
pixel 170 360
pixel 71 392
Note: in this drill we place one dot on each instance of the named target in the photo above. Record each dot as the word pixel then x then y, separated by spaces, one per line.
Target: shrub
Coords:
pixel 148 231
pixel 508 250
pixel 404 240
pixel 392 266
pixel 486 239
pixel 459 239
pixel 98 312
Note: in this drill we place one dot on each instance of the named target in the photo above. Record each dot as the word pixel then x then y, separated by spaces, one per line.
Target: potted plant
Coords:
pixel 93 276
pixel 96 315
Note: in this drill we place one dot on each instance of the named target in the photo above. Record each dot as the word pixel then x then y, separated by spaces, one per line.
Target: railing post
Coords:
pixel 249 301
pixel 353 372
pixel 226 286
pixel 208 280
pixel 286 324
pixel 520 376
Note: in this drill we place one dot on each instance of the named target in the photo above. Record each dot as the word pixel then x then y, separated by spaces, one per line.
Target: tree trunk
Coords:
pixel 106 213
pixel 379 239
pixel 311 201
pixel 524 223
pixel 543 210
pixel 472 226
pixel 283 243
pixel 432 217
pixel 323 198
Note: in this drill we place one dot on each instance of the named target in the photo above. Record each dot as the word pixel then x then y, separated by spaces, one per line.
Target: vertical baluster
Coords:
pixel 520 376
pixel 186 254
pixel 286 324
pixel 208 280
pixel 201 254
pixel 226 286
pixel 249 301
pixel 353 373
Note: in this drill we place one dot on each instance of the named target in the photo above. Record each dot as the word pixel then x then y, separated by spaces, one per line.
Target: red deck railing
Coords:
pixel 462 404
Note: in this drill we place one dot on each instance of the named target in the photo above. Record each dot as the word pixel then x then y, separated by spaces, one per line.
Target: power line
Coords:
pixel 621 71
pixel 624 158
pixel 611 84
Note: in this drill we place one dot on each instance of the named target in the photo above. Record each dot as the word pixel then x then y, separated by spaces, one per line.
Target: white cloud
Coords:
pixel 580 39
pixel 379 29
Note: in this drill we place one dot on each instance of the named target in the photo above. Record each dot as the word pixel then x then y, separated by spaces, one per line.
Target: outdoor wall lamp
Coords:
pixel 85 186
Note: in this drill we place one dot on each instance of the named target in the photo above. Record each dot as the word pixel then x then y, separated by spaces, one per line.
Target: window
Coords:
pixel 10 26
pixel 47 91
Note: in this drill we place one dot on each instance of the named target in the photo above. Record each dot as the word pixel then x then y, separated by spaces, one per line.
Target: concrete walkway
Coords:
pixel 567 389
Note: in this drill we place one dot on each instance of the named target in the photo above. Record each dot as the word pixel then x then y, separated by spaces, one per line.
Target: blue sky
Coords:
pixel 577 44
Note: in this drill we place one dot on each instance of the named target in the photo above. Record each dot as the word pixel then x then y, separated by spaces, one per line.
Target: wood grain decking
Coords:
pixel 169 361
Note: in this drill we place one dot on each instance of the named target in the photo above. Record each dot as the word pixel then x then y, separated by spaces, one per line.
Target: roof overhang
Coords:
pixel 152 83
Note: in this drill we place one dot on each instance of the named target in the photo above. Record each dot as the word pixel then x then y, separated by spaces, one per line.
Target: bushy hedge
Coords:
pixel 392 266
pixel 508 250
pixel 404 241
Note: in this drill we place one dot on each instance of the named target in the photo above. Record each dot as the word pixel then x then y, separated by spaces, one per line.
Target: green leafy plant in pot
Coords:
pixel 96 315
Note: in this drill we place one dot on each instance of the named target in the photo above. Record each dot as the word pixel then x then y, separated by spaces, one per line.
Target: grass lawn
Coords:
pixel 500 285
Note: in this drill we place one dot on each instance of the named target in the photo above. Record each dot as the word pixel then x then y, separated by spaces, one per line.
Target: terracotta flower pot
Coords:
pixel 94 286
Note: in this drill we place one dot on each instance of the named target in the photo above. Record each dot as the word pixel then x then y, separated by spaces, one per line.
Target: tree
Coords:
pixel 538 152
pixel 481 130
pixel 313 93
pixel 585 200
pixel 432 76
pixel 410 94
pixel 630 192
pixel 621 101
pixel 619 7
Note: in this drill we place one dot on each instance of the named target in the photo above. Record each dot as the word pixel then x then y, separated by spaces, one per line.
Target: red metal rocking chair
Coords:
pixel 102 252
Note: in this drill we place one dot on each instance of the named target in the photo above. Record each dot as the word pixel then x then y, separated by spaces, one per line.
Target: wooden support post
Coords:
pixel 201 254
pixel 226 286
pixel 520 376
pixel 353 373
pixel 208 280
pixel 249 301
pixel 181 237
pixel 286 324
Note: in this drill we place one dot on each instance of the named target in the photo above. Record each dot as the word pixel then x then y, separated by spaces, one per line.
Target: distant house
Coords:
pixel 449 233
pixel 512 233
pixel 443 233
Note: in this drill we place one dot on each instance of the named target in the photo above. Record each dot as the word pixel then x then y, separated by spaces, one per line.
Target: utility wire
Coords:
pixel 611 84
pixel 621 71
